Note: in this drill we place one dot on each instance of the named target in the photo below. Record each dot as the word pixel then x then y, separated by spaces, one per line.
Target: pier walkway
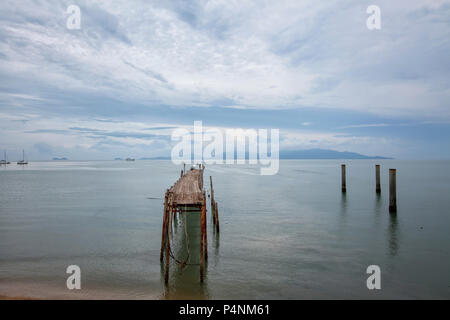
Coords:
pixel 187 195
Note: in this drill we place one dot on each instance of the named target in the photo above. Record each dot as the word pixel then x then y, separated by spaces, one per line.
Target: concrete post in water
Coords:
pixel 344 186
pixel 392 190
pixel 377 178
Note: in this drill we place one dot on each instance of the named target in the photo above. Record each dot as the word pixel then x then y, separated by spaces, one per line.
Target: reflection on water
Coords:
pixel 216 242
pixel 344 204
pixel 378 208
pixel 378 203
pixel 184 283
pixel 393 237
pixel 289 236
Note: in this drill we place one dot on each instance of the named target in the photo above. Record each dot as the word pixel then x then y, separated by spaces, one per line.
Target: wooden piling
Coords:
pixel 164 227
pixel 186 193
pixel 212 189
pixel 170 213
pixel 166 276
pixel 206 227
pixel 377 178
pixel 392 190
pixel 202 240
pixel 213 211
pixel 216 208
pixel 344 186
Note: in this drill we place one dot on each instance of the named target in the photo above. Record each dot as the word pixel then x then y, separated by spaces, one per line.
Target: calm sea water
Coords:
pixel 288 236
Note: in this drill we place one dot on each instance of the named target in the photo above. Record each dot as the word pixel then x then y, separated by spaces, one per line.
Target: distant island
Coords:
pixel 304 154
pixel 60 159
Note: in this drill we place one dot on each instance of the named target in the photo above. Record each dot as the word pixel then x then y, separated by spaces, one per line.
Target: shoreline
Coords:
pixel 3 297
pixel 44 291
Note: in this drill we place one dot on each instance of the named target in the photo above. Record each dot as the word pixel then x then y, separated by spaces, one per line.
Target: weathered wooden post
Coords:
pixel 392 191
pixel 213 211
pixel 170 210
pixel 169 217
pixel 202 223
pixel 344 186
pixel 377 178
pixel 181 175
pixel 216 209
pixel 164 227
pixel 206 227
pixel 212 189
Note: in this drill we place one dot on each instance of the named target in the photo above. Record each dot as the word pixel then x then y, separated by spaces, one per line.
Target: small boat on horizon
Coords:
pixel 23 161
pixel 5 160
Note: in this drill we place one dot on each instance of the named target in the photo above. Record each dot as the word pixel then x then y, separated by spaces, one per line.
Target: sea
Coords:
pixel 293 235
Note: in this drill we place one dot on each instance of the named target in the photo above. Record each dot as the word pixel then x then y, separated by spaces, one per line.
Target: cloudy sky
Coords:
pixel 138 69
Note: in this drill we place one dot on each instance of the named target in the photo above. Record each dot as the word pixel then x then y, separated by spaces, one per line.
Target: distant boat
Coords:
pixel 129 159
pixel 5 161
pixel 23 161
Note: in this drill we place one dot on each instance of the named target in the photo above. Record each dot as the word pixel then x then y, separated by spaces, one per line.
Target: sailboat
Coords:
pixel 22 162
pixel 5 161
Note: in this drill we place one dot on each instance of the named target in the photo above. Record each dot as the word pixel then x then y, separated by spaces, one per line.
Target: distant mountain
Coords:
pixel 306 154
pixel 324 154
pixel 117 158
pixel 60 159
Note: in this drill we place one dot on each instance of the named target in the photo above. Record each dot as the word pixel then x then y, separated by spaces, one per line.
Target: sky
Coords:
pixel 137 70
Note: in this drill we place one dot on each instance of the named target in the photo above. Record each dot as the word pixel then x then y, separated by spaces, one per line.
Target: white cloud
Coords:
pixel 282 54
pixel 238 55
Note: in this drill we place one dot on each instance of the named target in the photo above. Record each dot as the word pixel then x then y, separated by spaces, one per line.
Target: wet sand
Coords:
pixel 16 298
pixel 19 290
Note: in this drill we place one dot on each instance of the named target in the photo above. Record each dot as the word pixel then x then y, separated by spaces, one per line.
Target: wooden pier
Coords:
pixel 186 195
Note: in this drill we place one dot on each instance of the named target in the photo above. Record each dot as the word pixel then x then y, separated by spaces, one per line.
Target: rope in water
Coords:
pixel 185 262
